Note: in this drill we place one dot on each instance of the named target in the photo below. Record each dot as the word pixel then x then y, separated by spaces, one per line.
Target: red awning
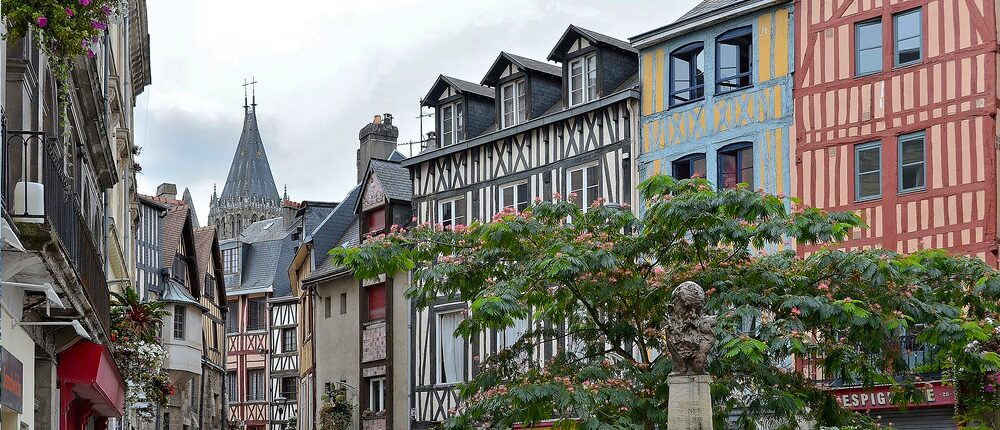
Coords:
pixel 90 370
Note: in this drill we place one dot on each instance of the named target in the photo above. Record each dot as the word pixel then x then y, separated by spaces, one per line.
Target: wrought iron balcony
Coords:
pixel 36 191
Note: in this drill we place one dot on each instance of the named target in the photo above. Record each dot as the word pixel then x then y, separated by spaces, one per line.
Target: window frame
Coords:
pixel 895 37
pixel 230 260
pixel 180 322
pixel 857 49
pixel 454 203
pixel 456 121
pixel 516 204
pixel 518 100
pixel 588 88
pixel 439 349
pixel 376 394
pixel 729 35
pixel 692 68
pixel 736 148
pixel 292 395
pixel 232 386
pixel 252 394
pixel 689 159
pixel 285 339
pixel 232 318
pixel 857 172
pixel 585 199
pixel 262 325
pixel 900 140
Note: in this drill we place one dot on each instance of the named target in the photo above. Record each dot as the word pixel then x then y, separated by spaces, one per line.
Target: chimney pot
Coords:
pixel 388 118
pixel 167 190
pixel 377 120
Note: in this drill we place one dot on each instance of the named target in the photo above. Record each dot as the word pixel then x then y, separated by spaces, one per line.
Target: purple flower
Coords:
pixel 90 53
pixel 69 11
pixel 85 2
pixel 99 25
pixel 43 21
pixel 106 10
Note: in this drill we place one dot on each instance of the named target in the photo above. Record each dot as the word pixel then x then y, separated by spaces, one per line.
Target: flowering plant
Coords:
pixel 336 412
pixel 135 325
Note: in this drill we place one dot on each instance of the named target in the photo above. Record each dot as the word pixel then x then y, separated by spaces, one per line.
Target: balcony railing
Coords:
pixel 35 190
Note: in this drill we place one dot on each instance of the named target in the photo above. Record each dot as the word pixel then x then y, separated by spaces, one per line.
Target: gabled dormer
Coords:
pixel 463 109
pixel 524 88
pixel 594 65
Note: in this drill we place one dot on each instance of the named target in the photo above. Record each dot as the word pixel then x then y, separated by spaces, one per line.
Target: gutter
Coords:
pixel 681 28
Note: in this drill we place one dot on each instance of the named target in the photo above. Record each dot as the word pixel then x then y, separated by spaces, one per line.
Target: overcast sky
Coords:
pixel 324 68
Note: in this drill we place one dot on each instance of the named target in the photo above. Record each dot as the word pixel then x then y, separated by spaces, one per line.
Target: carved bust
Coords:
pixel 689 330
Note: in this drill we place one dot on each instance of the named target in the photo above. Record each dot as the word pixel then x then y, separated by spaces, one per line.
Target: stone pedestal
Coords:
pixel 690 405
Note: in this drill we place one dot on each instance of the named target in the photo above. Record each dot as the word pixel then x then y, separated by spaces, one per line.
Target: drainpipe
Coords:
pixel 409 349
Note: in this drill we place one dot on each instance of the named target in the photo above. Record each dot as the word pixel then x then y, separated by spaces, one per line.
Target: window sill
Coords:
pixel 906 65
pixel 867 74
pixel 912 191
pixel 867 199
pixel 447 384
pixel 734 90
pixel 682 104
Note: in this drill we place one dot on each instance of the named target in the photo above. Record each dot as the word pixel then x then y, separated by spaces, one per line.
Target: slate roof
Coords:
pixel 395 179
pixel 525 63
pixel 314 216
pixel 326 235
pixel 460 85
pixel 572 32
pixel 174 292
pixel 250 173
pixel 608 40
pixel 204 242
pixel 264 230
pixel 173 228
pixel 706 7
pixel 351 237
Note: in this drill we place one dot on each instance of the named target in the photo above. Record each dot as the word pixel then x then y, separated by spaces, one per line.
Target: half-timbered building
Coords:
pixel 211 383
pixel 896 107
pixel 530 129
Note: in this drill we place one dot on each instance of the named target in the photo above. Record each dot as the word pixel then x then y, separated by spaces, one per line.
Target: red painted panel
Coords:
pixel 376 301
pixel 878 398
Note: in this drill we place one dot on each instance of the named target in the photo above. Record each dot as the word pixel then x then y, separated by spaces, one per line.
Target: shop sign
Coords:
pixel 879 398
pixel 13 381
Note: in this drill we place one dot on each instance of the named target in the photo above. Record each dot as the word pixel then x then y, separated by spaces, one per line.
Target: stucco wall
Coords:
pixel 337 337
pixel 400 351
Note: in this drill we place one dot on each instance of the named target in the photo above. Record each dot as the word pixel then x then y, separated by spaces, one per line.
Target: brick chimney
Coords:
pixel 167 191
pixel 378 140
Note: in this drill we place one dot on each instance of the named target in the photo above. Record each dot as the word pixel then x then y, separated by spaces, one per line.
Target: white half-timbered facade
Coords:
pixel 284 372
pixel 530 129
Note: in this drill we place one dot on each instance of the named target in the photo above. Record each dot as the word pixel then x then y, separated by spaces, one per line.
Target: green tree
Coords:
pixel 605 280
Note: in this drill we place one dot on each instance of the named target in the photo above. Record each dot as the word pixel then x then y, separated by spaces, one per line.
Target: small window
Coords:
pixel 450 349
pixel 232 386
pixel 326 307
pixel 868 165
pixel 911 162
pixel 376 301
pixel 691 166
pixel 734 60
pixel 289 388
pixel 583 79
pixel 513 108
pixel 288 341
pixel 255 384
pixel 687 74
pixel 343 303
pixel 584 186
pixel 376 220
pixel 451 123
pixel 736 165
pixel 868 47
pixel 256 314
pixel 179 322
pixel 233 317
pixel 376 395
pixel 452 212
pixel 514 196
pixel 907 27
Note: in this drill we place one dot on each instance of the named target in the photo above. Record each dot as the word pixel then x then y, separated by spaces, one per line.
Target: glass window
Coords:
pixel 907 27
pixel 376 301
pixel 508 336
pixel 514 196
pixel 451 123
pixel 584 186
pixel 450 348
pixel 583 79
pixel 376 395
pixel 452 212
pixel 233 317
pixel 288 341
pixel 230 260
pixel 256 314
pixel 232 386
pixel 255 384
pixel 911 162
pixel 868 166
pixel 691 166
pixel 736 165
pixel 179 321
pixel 868 46
pixel 327 310
pixel 734 60
pixel 343 303
pixel 591 77
pixel 513 106
pixel 687 74
pixel 289 388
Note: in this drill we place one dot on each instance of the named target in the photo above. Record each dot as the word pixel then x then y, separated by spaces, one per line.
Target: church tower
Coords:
pixel 249 194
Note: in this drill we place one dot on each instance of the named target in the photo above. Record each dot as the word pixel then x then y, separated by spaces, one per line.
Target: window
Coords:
pixel 584 186
pixel 451 123
pixel 376 220
pixel 450 349
pixel 868 168
pixel 376 301
pixel 452 212
pixel 256 314
pixel 734 60
pixel 911 162
pixel 508 336
pixel 514 196
pixel 179 320
pixel 231 260
pixel 255 384
pixel 736 165
pixel 232 387
pixel 288 340
pixel 233 317
pixel 210 286
pixel 687 74
pixel 166 421
pixel 583 79
pixel 908 43
pixel 376 395
pixel 343 303
pixel 326 307
pixel 691 166
pixel 215 335
pixel 868 47
pixel 289 388
pixel 513 109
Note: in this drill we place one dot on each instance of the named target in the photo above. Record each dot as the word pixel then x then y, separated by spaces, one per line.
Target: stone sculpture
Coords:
pixel 689 330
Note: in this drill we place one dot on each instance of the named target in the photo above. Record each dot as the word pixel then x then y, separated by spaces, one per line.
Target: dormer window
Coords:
pixel 513 108
pixel 583 79
pixel 452 122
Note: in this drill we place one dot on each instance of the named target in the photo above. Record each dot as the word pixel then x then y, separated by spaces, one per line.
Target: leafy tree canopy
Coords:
pixel 602 282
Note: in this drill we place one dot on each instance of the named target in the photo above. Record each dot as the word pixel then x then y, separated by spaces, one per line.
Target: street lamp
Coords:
pixel 281 401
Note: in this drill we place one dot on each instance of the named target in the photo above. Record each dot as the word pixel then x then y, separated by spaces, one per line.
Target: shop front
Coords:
pixel 11 390
pixel 91 389
pixel 935 412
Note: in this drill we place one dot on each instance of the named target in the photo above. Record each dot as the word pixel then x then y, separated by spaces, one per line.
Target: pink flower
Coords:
pixel 90 53
pixel 69 11
pixel 99 25
pixel 85 2
pixel 43 21
pixel 106 10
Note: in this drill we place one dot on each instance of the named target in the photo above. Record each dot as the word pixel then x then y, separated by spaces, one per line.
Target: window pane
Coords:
pixel 868 45
pixel 522 196
pixel 576 82
pixel 912 151
pixel 908 41
pixel 576 187
pixel 522 105
pixel 682 169
pixel 446 213
pixel 450 349
pixel 446 123
pixel 869 185
pixel 734 58
pixel 698 167
pixel 507 197
pixel 746 166
pixel 592 77
pixel 869 159
pixel 508 105
pixel 912 177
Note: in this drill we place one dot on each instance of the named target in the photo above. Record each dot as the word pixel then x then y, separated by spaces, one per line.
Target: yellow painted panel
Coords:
pixel 701 120
pixel 661 67
pixel 656 166
pixel 779 163
pixel 645 138
pixel 777 102
pixel 764 47
pixel 647 83
pixel 781 43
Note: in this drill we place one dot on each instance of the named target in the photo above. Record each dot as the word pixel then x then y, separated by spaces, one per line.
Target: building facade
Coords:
pixel 531 129
pixel 67 188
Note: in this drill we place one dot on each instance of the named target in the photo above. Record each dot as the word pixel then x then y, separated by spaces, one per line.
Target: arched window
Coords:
pixel 736 165
pixel 734 60
pixel 689 166
pixel 687 73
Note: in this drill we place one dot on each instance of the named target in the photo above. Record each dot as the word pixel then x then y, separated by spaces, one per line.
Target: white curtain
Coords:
pixel 450 350
pixel 513 333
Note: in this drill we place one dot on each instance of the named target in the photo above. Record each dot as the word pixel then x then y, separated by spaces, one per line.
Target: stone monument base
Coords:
pixel 690 404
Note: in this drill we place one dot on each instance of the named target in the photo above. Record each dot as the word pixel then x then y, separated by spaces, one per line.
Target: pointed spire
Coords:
pixel 253 91
pixel 286 192
pixel 250 175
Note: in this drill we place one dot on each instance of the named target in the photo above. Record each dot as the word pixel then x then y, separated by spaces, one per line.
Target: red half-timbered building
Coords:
pixel 896 106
